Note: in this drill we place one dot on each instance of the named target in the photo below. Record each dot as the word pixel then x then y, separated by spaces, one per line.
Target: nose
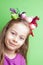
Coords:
pixel 15 39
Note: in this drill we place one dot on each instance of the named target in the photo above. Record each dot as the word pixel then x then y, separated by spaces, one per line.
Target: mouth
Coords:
pixel 12 44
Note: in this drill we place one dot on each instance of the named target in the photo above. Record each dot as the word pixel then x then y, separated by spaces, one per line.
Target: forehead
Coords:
pixel 20 28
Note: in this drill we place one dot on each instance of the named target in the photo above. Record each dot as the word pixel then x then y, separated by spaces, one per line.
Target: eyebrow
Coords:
pixel 20 35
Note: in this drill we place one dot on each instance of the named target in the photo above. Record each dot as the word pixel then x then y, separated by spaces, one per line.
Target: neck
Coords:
pixel 9 53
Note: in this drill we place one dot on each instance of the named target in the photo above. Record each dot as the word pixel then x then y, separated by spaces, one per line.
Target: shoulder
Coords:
pixel 21 56
pixel 22 59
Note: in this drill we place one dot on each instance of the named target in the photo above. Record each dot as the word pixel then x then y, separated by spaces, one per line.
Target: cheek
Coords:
pixel 9 36
pixel 21 42
pixel 6 40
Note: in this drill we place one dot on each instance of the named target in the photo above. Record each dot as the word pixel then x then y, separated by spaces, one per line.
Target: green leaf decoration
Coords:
pixel 18 11
pixel 14 16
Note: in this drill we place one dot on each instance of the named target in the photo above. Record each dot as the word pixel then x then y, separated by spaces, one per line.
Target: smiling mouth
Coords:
pixel 12 44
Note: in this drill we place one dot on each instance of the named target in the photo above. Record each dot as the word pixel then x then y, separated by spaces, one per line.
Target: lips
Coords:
pixel 12 44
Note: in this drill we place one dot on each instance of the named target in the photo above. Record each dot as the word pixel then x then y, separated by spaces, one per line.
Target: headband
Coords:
pixel 31 20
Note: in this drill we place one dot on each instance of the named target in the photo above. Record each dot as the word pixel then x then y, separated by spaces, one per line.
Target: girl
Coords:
pixel 14 38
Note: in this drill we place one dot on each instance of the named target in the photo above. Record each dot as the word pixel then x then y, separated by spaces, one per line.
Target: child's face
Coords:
pixel 16 36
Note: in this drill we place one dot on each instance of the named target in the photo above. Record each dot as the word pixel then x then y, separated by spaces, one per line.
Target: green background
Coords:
pixel 33 8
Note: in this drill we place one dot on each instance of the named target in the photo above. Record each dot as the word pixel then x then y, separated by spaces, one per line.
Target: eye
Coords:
pixel 13 33
pixel 21 38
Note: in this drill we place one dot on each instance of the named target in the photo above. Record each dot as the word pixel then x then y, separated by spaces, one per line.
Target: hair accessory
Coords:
pixel 31 20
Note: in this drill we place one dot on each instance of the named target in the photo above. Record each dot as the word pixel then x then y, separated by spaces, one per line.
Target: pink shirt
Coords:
pixel 18 60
